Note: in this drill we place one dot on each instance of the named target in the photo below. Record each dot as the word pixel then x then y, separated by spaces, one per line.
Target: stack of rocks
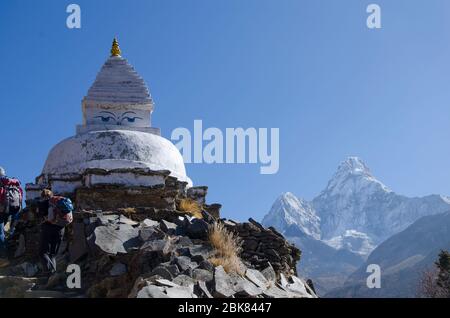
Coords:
pixel 266 247
pixel 146 253
pixel 126 258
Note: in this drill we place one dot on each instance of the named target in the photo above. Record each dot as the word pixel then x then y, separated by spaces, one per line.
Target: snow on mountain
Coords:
pixel 353 241
pixel 355 200
pixel 352 215
pixel 352 176
pixel 290 210
pixel 355 211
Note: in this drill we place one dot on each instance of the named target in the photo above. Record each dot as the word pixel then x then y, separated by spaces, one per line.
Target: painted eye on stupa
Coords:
pixel 131 119
pixel 105 119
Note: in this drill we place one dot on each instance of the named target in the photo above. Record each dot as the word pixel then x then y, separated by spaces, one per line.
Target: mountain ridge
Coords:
pixel 355 212
pixel 353 202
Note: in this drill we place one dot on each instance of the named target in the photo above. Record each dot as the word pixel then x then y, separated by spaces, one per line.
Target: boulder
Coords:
pixel 297 286
pixel 223 284
pixel 173 269
pixel 150 233
pixel 184 241
pixel 197 229
pixel 257 278
pixel 208 217
pixel 165 283
pixel 149 223
pixel 152 291
pixel 199 253
pixel 283 280
pixel 168 227
pixel 162 271
pixel 180 292
pixel 116 238
pixel 107 219
pixel 184 280
pixel 269 273
pixel 245 288
pixel 202 290
pixel 213 210
pixel 162 246
pixel 206 265
pixel 202 274
pixel 276 292
pixel 184 263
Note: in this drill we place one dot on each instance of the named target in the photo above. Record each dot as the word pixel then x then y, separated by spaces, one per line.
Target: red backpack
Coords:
pixel 11 194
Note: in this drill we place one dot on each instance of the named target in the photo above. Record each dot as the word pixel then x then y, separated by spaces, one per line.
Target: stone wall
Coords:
pixel 263 247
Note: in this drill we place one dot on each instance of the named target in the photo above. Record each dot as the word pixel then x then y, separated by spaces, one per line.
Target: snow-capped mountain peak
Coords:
pixel 353 165
pixel 354 200
pixel 289 210
pixel 353 176
pixel 352 215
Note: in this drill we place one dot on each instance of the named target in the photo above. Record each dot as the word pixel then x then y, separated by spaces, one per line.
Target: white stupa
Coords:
pixel 116 132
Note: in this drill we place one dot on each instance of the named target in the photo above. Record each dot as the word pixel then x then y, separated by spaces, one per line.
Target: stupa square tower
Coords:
pixel 119 98
pixel 116 143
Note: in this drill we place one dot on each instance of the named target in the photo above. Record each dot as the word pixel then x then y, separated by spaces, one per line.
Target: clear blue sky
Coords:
pixel 311 68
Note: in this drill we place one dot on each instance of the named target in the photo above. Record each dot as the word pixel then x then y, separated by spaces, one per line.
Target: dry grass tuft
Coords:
pixel 128 212
pixel 227 248
pixel 191 207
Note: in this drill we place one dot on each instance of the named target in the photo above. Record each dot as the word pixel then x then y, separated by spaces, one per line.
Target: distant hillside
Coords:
pixel 402 259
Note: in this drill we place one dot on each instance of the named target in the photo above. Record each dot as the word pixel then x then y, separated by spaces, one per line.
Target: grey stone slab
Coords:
pixel 257 278
pixel 152 291
pixel 223 285
pixel 202 274
pixel 113 239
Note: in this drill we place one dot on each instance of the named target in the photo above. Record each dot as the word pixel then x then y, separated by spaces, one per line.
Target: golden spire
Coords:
pixel 115 50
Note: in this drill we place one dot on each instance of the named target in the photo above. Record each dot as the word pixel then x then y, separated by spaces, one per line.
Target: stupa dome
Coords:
pixel 115 149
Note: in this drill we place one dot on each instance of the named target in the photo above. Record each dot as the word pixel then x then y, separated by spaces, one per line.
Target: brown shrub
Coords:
pixel 227 248
pixel 191 207
pixel 128 212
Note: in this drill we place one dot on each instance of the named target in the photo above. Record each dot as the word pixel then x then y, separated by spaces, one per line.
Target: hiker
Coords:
pixel 11 195
pixel 57 213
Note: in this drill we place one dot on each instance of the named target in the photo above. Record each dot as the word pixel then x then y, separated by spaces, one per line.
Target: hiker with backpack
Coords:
pixel 57 213
pixel 11 195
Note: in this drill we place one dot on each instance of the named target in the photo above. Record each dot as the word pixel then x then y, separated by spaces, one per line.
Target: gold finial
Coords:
pixel 115 50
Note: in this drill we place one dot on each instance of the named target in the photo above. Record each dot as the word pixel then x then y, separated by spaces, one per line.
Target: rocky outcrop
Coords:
pixel 151 259
pixel 154 250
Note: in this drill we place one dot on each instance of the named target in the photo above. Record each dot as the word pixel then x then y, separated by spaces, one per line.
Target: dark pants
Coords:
pixel 51 238
pixel 4 217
